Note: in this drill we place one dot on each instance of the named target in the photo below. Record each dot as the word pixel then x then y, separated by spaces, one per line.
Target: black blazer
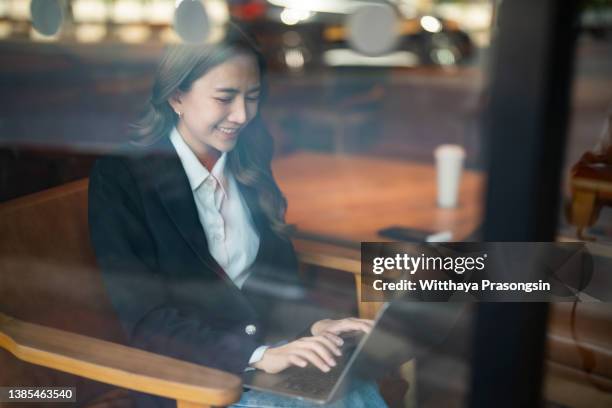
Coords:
pixel 172 297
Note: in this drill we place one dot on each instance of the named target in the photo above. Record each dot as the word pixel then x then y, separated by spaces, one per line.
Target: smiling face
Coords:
pixel 218 106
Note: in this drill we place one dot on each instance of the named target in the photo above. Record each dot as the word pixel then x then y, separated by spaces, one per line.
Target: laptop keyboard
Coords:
pixel 311 380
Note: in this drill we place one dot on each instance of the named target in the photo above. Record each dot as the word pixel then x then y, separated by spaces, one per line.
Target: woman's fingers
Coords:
pixel 352 324
pixel 336 339
pixel 317 351
pixel 321 348
pixel 312 357
pixel 366 323
pixel 327 343
pixel 369 322
pixel 297 361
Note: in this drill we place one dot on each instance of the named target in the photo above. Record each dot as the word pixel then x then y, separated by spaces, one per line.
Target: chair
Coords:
pixel 51 290
pixel 591 185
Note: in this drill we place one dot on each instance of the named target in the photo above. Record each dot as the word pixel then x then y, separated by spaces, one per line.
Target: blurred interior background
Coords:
pixel 73 92
pixel 73 81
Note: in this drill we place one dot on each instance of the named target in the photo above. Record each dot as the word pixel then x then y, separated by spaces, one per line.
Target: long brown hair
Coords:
pixel 180 66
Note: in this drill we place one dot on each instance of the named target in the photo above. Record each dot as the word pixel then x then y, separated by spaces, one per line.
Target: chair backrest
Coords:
pixel 48 274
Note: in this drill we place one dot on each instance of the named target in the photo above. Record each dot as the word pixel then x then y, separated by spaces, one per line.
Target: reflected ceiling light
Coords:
pixel 134 34
pixel 160 12
pixel 191 21
pixel 291 16
pixel 89 11
pixel 294 58
pixel 90 33
pixel 201 21
pixel 47 16
pixel 218 11
pixel 323 6
pixel 219 16
pixel 127 11
pixel 408 8
pixel 472 17
pixel 346 57
pixel 443 56
pixel 431 24
pixel 18 10
pixel 373 29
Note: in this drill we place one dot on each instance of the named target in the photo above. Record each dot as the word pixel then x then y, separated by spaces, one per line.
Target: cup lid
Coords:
pixel 449 150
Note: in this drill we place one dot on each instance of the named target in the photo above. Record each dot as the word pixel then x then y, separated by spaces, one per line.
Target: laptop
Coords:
pixel 402 330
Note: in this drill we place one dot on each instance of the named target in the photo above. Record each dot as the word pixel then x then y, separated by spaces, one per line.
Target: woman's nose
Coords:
pixel 238 114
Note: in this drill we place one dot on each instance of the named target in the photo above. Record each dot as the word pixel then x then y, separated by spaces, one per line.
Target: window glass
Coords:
pixel 363 100
pixel 574 374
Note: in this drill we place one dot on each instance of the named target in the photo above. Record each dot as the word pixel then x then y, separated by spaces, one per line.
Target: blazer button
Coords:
pixel 250 329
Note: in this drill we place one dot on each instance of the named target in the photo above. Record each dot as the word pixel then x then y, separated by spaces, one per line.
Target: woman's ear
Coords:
pixel 175 102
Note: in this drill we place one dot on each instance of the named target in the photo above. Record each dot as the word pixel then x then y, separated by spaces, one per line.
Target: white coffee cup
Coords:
pixel 449 165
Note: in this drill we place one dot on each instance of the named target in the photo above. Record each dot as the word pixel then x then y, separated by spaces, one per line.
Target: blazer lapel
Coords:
pixel 172 186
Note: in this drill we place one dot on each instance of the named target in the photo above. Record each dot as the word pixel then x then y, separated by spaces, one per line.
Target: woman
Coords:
pixel 188 226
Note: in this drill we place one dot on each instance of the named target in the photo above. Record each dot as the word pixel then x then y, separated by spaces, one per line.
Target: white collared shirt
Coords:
pixel 232 238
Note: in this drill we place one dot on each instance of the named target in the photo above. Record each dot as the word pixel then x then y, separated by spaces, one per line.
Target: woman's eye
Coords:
pixel 224 100
pixel 253 98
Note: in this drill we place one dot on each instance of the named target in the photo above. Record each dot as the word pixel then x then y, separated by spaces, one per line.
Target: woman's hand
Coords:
pixel 316 350
pixel 332 328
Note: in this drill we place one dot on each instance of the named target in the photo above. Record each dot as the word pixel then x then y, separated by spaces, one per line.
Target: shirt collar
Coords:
pixel 196 172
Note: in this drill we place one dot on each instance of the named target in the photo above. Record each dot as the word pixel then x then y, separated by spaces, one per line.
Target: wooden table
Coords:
pixel 337 201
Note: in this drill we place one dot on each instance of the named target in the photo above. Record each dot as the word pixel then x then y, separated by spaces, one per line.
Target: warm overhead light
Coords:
pixel 127 11
pixel 160 12
pixel 6 29
pixel 19 10
pixel 89 11
pixel 134 34
pixel 90 33
pixel 218 11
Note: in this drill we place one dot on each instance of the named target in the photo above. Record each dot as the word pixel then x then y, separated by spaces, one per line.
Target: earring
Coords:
pixel 180 114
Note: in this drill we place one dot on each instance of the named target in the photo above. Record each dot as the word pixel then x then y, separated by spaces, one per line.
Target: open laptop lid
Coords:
pixel 407 330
